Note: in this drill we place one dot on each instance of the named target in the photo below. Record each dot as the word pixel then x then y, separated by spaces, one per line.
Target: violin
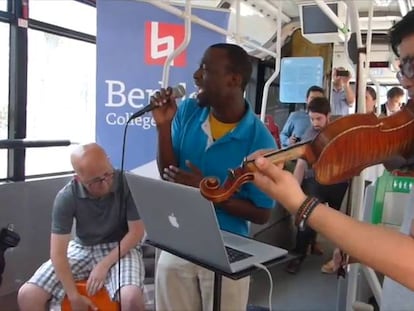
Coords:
pixel 339 152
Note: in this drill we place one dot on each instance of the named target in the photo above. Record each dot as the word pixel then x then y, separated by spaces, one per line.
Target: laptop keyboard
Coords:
pixel 235 255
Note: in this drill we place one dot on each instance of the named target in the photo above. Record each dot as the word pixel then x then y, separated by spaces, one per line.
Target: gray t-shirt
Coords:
pixel 97 220
pixel 396 297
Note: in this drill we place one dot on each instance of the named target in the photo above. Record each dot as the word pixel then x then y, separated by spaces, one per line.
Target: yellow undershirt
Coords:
pixel 219 129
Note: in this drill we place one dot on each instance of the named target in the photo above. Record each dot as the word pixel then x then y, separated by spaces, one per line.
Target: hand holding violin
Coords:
pixel 278 184
pixel 339 152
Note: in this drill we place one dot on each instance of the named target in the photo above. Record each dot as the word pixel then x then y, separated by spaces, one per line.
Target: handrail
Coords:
pixel 355 22
pixel 370 275
pixel 26 143
pixel 403 5
pixel 195 19
pixel 332 16
pixel 368 42
pixel 181 48
pixel 346 47
pixel 277 66
pixel 271 6
pixel 238 22
pixel 357 185
pixel 373 282
pixel 365 71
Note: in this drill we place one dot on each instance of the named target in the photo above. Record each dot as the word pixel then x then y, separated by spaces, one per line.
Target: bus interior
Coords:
pixel 48 66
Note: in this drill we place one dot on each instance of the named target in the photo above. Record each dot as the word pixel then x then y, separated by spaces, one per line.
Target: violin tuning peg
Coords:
pixel 231 173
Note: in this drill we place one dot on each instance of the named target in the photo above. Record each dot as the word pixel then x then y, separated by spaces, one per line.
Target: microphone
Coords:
pixel 177 92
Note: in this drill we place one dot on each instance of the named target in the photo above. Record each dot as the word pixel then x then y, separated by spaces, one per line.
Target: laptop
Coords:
pixel 179 218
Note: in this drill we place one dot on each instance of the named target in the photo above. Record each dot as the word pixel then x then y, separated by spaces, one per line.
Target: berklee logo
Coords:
pixel 161 39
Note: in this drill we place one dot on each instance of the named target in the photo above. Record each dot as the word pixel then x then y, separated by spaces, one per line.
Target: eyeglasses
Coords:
pixel 406 68
pixel 98 180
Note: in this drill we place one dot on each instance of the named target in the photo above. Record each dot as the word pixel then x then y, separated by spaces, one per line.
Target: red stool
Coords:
pixel 101 299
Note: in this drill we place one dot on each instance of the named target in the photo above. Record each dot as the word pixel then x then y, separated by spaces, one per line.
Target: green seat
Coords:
pixel 390 199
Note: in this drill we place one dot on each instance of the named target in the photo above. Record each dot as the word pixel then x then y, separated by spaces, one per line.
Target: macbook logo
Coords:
pixel 161 39
pixel 173 221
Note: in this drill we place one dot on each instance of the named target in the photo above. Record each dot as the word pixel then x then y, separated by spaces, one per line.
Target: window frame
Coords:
pixel 18 80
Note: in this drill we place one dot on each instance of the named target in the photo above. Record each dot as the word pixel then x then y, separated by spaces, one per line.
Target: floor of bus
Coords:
pixel 308 290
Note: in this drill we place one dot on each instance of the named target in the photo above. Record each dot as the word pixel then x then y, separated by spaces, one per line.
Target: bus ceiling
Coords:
pixel 263 14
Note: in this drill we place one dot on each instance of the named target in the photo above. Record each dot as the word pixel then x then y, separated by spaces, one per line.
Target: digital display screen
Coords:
pixel 316 21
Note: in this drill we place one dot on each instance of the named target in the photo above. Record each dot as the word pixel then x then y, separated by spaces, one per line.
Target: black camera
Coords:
pixel 342 73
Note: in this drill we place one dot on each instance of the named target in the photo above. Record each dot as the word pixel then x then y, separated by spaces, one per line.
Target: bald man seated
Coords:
pixel 92 199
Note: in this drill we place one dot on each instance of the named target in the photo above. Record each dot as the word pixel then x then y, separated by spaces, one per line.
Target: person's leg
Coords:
pixel 335 194
pixel 234 294
pixel 132 298
pixel 304 238
pixel 44 285
pixel 176 285
pixel 303 241
pixel 315 247
pixel 307 236
pixel 31 297
pixel 132 276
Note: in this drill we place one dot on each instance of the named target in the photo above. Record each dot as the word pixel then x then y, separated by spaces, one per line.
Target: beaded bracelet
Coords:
pixel 304 211
pixel 301 209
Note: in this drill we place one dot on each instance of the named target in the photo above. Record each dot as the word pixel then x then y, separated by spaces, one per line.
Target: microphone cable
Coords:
pixel 121 193
pixel 178 92
pixel 265 269
pixel 121 208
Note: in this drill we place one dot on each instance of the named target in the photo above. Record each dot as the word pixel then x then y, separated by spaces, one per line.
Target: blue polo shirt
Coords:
pixel 192 141
pixel 296 124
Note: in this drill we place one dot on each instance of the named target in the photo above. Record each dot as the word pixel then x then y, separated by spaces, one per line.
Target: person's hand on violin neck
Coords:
pixel 191 177
pixel 278 184
pixel 258 153
pixel 262 153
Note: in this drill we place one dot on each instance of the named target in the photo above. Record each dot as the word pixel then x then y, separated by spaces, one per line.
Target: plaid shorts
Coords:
pixel 82 259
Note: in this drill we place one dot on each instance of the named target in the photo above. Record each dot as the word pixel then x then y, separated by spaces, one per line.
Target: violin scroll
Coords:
pixel 211 189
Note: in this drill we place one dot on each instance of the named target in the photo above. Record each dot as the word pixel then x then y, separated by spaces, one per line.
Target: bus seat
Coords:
pixel 101 299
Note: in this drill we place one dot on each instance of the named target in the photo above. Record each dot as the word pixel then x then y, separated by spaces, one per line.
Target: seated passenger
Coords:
pixel 333 194
pixel 92 199
pixel 395 97
pixel 298 121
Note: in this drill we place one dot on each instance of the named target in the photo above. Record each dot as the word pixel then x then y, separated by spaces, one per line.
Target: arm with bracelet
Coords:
pixel 362 241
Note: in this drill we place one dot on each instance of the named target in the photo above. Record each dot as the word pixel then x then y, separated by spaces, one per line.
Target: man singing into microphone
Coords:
pixel 204 137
